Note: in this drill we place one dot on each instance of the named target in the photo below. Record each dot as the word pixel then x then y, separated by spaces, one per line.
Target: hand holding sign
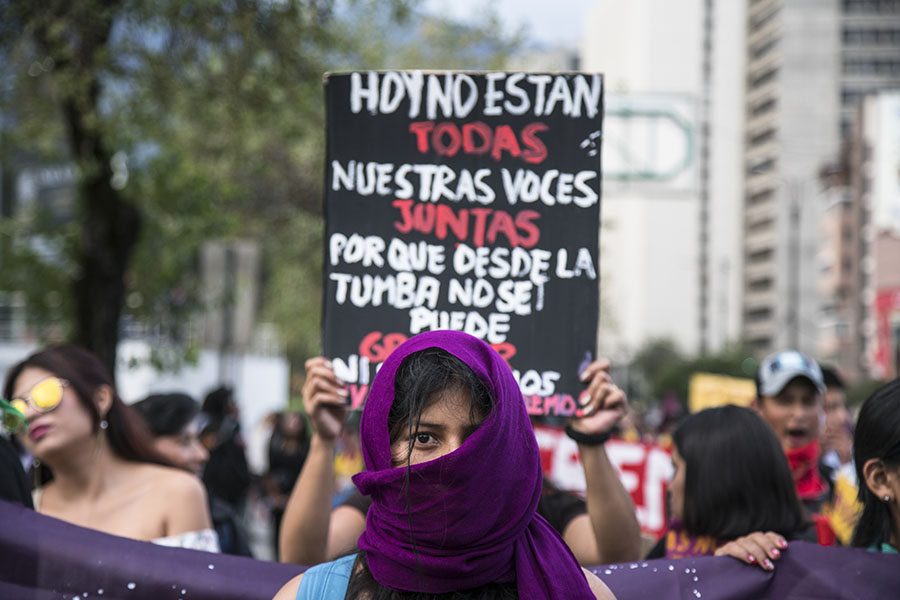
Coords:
pixel 324 398
pixel 603 404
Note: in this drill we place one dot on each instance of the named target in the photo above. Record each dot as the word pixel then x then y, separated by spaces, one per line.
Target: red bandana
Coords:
pixel 805 469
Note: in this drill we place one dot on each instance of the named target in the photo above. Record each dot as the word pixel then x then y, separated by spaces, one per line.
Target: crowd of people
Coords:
pixel 452 498
pixel 165 469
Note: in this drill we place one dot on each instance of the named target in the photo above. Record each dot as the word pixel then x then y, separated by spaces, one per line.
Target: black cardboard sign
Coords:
pixel 467 201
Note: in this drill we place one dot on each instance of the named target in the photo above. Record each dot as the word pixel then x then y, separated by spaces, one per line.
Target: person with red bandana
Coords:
pixel 790 391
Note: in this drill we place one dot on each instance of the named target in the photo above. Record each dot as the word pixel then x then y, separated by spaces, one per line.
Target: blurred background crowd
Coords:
pixel 161 181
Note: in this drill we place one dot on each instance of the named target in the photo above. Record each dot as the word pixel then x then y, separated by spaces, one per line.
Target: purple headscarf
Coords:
pixel 471 512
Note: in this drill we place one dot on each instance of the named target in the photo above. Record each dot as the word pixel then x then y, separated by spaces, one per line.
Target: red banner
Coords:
pixel 645 470
pixel 886 359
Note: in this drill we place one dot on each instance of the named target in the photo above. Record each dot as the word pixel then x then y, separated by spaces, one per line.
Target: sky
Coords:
pixel 550 22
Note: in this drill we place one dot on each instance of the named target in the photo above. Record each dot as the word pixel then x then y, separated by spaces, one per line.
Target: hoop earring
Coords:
pixel 104 424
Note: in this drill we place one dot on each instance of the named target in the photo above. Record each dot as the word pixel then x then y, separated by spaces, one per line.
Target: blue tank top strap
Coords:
pixel 327 581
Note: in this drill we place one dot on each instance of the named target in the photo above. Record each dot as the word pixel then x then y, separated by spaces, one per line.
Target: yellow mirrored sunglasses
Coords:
pixel 43 397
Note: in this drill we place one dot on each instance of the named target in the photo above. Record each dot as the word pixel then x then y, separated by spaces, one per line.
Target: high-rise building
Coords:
pixel 861 284
pixel 861 331
pixel 672 170
pixel 791 116
pixel 870 52
pixel 808 64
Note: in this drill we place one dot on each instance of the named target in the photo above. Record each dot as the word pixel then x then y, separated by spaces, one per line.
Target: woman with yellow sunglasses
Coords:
pixel 105 473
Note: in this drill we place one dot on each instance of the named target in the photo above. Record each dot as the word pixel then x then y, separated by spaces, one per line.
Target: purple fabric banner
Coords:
pixel 805 571
pixel 43 558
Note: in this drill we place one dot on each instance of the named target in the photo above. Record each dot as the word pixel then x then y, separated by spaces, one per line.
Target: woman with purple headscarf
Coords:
pixel 454 473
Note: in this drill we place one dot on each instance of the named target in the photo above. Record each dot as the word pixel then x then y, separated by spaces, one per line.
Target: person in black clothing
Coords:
pixel 13 482
pixel 288 447
pixel 732 493
pixel 226 475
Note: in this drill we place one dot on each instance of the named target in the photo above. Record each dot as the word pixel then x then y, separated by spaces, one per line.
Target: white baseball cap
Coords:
pixel 779 368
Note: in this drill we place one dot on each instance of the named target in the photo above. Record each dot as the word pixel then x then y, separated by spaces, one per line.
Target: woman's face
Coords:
pixel 53 432
pixel 184 449
pixel 444 426
pixel 676 487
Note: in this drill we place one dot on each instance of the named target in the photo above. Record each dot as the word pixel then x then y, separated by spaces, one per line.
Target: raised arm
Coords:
pixel 305 526
pixel 610 531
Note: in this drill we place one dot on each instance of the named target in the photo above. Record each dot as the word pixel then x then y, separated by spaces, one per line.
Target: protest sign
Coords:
pixel 466 201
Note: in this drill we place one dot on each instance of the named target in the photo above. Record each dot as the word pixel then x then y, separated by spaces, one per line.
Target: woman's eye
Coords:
pixel 423 438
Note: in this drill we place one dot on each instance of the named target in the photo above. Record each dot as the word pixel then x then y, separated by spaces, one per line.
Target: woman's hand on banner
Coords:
pixel 756 548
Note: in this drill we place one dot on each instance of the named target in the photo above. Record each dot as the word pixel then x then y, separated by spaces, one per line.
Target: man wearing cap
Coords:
pixel 790 393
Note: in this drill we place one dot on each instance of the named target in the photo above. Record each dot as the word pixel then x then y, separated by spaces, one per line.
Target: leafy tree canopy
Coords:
pixel 186 121
pixel 661 369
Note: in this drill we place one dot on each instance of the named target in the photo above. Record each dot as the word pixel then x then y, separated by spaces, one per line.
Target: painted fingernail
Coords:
pixel 782 543
pixel 751 559
pixel 584 400
pixel 775 552
pixel 768 565
pixel 584 375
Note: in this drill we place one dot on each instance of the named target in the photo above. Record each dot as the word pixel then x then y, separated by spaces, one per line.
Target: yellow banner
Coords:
pixel 707 390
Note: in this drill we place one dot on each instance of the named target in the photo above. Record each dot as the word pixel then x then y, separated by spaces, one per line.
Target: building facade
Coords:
pixel 809 64
pixel 791 115
pixel 873 323
pixel 670 253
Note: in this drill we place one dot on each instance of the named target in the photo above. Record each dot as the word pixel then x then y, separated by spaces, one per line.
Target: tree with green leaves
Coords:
pixel 664 370
pixel 186 121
